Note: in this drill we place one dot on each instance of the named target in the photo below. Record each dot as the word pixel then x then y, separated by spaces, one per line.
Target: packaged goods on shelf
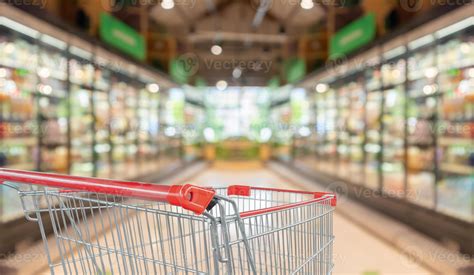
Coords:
pixel 407 116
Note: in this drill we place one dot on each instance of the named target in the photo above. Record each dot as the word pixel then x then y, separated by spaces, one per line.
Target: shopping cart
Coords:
pixel 115 227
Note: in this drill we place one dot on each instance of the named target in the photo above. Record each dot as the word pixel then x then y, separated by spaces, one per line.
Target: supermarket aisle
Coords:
pixel 353 247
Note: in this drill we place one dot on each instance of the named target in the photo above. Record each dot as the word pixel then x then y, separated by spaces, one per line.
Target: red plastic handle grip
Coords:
pixel 188 196
pixel 244 190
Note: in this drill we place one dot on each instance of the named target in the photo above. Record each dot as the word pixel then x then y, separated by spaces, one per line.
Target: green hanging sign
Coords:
pixel 295 69
pixel 122 37
pixel 274 83
pixel 353 36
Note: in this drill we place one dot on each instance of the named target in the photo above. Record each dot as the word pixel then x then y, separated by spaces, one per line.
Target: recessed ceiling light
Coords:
pixel 44 73
pixel 3 72
pixel 216 50
pixel 322 88
pixel 167 4
pixel 153 88
pixel 221 85
pixel 307 4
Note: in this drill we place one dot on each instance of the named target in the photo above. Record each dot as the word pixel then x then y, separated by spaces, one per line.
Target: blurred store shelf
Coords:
pixel 418 247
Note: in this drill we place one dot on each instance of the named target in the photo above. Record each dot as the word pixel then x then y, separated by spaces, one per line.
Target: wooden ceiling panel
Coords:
pixel 167 17
pixel 305 18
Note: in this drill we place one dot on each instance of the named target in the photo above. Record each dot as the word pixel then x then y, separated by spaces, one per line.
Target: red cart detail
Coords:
pixel 105 226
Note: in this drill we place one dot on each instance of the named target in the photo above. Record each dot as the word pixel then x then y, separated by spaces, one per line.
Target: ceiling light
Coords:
pixel 45 89
pixel 216 50
pixel 221 85
pixel 209 134
pixel 170 132
pixel 44 73
pixel 153 88
pixel 431 72
pixel 307 4
pixel 322 88
pixel 237 73
pixel 429 89
pixel 470 73
pixel 265 134
pixel 167 4
pixel 304 132
pixel 3 72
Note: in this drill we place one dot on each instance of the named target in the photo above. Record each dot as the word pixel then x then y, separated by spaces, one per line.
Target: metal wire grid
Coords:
pixel 297 240
pixel 97 234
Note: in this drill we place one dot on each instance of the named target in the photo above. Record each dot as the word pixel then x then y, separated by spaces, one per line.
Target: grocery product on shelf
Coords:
pixel 373 112
pixel 102 148
pixel 456 124
pixel 124 126
pixel 81 117
pixel 18 125
pixel 60 113
pixel 326 127
pixel 422 101
pixel 356 129
pixel 343 135
pixel 148 110
pixel 393 120
pixel 53 109
pixel 281 134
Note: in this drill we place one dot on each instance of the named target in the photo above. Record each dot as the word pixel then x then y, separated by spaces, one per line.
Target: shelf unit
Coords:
pixel 413 140
pixel 58 107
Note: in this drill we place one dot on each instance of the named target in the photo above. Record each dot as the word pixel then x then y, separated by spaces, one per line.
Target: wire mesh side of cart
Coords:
pixel 287 232
pixel 105 234
pixel 116 227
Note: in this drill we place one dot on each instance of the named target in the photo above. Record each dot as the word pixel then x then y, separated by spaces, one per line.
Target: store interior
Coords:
pixel 387 125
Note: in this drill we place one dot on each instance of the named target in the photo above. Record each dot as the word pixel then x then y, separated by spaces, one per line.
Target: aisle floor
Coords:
pixel 355 250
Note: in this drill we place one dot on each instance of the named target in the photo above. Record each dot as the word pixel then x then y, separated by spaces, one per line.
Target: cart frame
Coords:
pixel 107 226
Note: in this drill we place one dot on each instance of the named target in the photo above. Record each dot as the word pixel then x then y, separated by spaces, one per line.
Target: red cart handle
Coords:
pixel 244 190
pixel 188 196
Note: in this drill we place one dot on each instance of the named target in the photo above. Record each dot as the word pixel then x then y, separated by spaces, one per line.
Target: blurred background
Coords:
pixel 371 99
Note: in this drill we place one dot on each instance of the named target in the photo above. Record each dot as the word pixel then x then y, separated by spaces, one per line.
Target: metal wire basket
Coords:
pixel 115 227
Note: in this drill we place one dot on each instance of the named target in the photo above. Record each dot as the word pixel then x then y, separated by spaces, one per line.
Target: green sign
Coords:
pixel 200 82
pixel 353 36
pixel 274 82
pixel 295 69
pixel 121 36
